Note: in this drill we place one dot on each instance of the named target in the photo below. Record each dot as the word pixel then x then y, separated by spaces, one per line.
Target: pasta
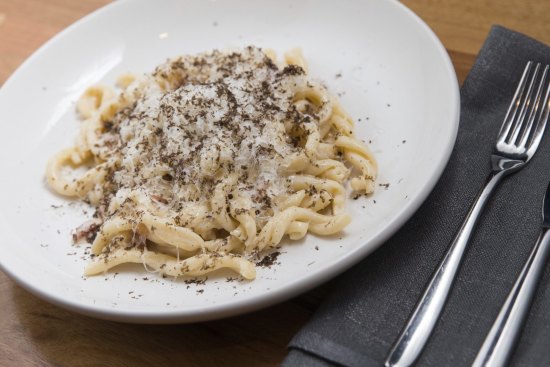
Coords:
pixel 210 160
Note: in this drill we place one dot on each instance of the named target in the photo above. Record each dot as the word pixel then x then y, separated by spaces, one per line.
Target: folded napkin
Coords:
pixel 370 304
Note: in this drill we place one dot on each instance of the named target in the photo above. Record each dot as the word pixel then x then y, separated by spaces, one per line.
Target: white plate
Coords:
pixel 396 81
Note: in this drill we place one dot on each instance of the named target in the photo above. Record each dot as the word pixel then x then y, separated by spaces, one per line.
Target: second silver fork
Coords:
pixel 517 142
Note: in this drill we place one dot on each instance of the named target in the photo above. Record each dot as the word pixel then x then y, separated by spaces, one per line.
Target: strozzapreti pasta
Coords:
pixel 210 160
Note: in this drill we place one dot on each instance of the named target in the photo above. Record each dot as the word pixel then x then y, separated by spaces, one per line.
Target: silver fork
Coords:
pixel 517 142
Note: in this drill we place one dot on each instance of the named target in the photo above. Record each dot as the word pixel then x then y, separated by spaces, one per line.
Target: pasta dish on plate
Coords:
pixel 210 160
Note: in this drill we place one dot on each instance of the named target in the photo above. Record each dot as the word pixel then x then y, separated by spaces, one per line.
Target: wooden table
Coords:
pixel 35 333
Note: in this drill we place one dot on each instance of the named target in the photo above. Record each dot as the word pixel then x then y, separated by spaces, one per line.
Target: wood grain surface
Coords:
pixel 35 333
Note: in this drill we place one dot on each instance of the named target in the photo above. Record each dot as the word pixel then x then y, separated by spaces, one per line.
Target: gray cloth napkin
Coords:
pixel 358 323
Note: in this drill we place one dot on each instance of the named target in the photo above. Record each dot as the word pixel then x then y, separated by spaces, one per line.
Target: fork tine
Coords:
pixel 512 109
pixel 525 106
pixel 534 110
pixel 541 124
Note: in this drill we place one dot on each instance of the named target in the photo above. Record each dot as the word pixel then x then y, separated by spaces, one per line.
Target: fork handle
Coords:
pixel 420 325
pixel 502 337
